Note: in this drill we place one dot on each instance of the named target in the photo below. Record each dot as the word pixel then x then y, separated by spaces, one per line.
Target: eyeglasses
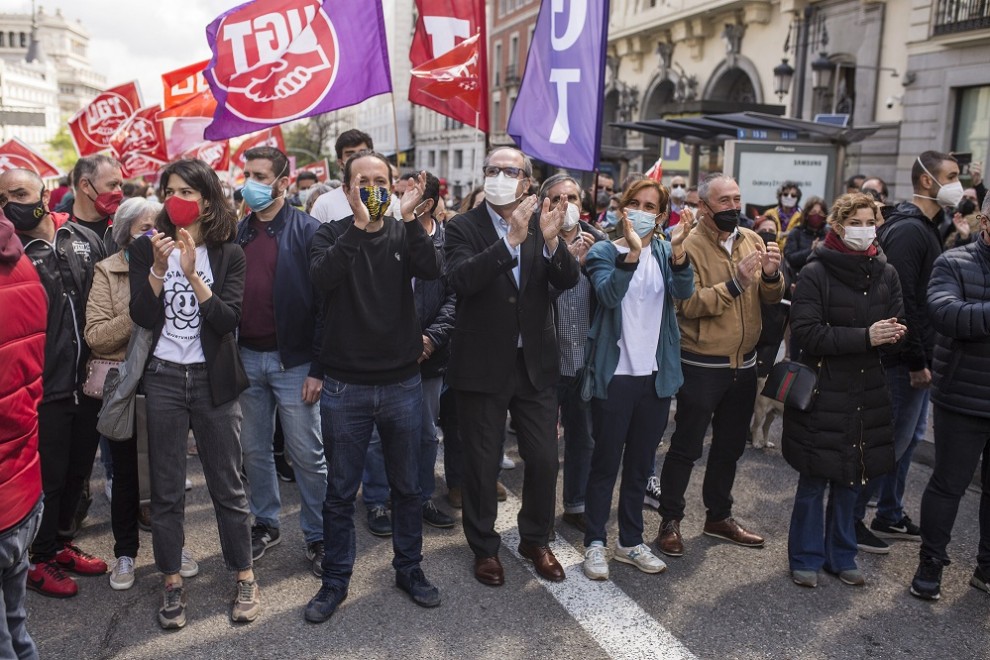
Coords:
pixel 678 185
pixel 511 172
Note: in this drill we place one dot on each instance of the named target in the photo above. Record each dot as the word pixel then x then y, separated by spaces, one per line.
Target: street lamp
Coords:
pixel 821 73
pixel 782 75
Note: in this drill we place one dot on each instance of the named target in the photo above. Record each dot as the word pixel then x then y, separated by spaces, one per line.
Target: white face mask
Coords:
pixel 859 238
pixel 788 201
pixel 678 194
pixel 501 190
pixel 949 194
pixel 573 216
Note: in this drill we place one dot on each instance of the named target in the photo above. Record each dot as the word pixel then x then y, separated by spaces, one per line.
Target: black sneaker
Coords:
pixel 322 606
pixel 652 496
pixel 980 580
pixel 380 521
pixel 314 553
pixel 418 587
pixel 262 538
pixel 927 582
pixel 283 469
pixel 867 542
pixel 172 614
pixel 434 517
pixel 902 530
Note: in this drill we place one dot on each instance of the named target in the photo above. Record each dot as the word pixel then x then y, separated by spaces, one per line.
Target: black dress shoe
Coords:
pixel 418 587
pixel 547 566
pixel 488 570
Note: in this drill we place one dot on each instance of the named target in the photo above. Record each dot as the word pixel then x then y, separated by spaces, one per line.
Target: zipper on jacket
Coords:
pixel 862 454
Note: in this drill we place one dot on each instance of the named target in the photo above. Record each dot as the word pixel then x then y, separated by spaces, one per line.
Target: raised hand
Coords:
pixel 683 229
pixel 633 241
pixel 161 247
pixel 552 221
pixel 187 256
pixel 411 199
pixel 962 225
pixel 976 173
pixel 579 246
pixel 360 211
pixel 747 267
pixel 770 259
pixel 519 221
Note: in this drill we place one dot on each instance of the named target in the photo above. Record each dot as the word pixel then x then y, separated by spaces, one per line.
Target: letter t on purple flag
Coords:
pixel 557 115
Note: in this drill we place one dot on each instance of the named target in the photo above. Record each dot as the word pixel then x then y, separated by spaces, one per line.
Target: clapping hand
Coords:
pixel 886 331
pixel 411 199
pixel 747 267
pixel 633 241
pixel 187 256
pixel 552 221
pixel 579 246
pixel 361 216
pixel 519 221
pixel 770 259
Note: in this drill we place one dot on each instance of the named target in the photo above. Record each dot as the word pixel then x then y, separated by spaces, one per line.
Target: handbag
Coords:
pixel 116 419
pixel 96 376
pixel 793 384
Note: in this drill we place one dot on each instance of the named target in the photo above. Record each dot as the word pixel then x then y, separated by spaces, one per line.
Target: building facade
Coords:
pixel 511 24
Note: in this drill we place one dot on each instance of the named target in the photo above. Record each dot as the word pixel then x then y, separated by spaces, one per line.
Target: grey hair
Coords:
pixel 707 182
pixel 986 206
pixel 553 181
pixel 314 194
pixel 86 168
pixel 130 211
pixel 527 163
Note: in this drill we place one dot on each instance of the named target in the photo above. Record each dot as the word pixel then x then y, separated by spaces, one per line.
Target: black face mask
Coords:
pixel 726 220
pixel 768 237
pixel 25 217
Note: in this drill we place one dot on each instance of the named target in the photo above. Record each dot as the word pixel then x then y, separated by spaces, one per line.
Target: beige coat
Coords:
pixel 108 321
pixel 713 321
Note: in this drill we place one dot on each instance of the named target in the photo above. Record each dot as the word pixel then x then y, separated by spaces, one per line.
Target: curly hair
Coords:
pixel 846 206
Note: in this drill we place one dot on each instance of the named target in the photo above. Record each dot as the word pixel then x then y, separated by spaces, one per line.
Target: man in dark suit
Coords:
pixel 502 259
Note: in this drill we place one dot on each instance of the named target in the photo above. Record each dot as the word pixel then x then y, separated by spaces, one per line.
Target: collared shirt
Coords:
pixel 572 318
pixel 730 241
pixel 502 229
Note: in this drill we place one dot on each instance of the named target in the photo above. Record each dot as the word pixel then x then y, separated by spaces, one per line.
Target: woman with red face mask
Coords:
pixel 187 285
pixel 807 235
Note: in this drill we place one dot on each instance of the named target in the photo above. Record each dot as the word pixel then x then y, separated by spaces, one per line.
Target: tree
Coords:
pixel 64 154
pixel 309 139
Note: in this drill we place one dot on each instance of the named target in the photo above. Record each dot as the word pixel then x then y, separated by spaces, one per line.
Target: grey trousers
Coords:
pixel 178 398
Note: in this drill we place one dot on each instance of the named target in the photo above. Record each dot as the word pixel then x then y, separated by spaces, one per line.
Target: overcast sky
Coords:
pixel 139 39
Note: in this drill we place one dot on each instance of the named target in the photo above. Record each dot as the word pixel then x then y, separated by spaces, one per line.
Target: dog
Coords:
pixel 764 412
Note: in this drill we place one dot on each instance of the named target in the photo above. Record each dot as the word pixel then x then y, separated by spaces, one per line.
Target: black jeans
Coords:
pixel 126 501
pixel 67 442
pixel 960 440
pixel 628 428
pixel 720 396
pixel 453 450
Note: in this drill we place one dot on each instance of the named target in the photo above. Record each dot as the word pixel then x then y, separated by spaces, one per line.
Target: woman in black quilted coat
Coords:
pixel 844 312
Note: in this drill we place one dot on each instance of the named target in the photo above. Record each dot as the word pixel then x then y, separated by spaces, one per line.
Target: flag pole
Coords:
pixel 395 127
pixel 594 199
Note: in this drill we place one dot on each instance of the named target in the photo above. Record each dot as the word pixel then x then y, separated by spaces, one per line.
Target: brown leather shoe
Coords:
pixel 500 491
pixel 730 530
pixel 547 566
pixel 454 497
pixel 669 540
pixel 488 570
pixel 574 520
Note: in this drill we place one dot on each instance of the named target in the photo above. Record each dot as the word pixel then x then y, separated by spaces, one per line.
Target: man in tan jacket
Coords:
pixel 733 273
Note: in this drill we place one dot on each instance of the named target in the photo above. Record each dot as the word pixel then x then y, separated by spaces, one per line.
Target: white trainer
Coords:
pixel 189 566
pixel 122 575
pixel 641 557
pixel 595 562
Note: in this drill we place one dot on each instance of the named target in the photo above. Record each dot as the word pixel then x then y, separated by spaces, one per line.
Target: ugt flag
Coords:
pixel 558 114
pixel 279 60
pixel 14 154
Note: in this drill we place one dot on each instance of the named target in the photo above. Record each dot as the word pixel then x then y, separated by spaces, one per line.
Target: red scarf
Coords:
pixel 833 242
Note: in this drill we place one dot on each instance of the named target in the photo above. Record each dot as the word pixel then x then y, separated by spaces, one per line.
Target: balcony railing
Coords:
pixel 953 16
pixel 512 74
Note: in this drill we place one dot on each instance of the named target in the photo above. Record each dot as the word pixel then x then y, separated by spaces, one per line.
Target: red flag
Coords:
pixel 454 75
pixel 139 143
pixel 14 154
pixel 214 154
pixel 271 137
pixel 320 168
pixel 656 172
pixel 93 126
pixel 441 27
pixel 183 84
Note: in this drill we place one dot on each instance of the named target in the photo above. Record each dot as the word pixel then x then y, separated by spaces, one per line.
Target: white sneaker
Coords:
pixel 189 566
pixel 122 575
pixel 595 563
pixel 108 489
pixel 188 485
pixel 641 557
pixel 508 463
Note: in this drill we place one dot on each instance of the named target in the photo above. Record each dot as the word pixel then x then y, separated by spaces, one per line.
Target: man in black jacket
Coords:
pixel 279 340
pixel 959 305
pixel 502 259
pixel 64 254
pixel 910 239
pixel 362 268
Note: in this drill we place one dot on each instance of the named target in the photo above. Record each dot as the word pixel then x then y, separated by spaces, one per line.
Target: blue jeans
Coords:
pixel 15 642
pixel 575 415
pixel 271 385
pixel 822 540
pixel 909 408
pixel 374 484
pixel 350 413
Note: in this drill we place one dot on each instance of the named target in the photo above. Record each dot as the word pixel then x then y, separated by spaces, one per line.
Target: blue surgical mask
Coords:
pixel 611 217
pixel 257 195
pixel 643 223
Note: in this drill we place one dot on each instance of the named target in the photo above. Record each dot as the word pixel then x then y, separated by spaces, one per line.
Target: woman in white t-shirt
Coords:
pixel 187 285
pixel 633 355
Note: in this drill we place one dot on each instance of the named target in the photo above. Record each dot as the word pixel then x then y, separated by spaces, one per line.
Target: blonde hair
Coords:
pixel 846 206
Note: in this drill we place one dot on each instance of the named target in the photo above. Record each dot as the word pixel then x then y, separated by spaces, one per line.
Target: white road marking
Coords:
pixel 614 620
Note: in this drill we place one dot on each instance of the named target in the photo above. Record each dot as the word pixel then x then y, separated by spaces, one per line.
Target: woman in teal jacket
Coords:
pixel 633 355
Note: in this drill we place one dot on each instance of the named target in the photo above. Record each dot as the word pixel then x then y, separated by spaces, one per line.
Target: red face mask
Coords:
pixel 815 221
pixel 182 212
pixel 107 203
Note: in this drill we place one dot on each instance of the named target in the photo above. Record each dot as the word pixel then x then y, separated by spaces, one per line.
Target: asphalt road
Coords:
pixel 718 601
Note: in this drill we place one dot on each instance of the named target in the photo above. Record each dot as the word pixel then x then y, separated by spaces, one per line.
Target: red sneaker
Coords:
pixel 71 558
pixel 48 580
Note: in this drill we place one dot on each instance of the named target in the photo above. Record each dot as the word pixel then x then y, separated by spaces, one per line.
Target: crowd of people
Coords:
pixel 354 321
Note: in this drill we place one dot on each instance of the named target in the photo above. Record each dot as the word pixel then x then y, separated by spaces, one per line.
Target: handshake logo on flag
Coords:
pixel 276 65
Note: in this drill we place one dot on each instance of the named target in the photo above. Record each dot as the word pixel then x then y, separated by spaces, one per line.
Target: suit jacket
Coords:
pixel 492 311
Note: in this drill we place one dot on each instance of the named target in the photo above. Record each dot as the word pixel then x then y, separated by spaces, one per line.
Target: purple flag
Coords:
pixel 557 117
pixel 279 60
